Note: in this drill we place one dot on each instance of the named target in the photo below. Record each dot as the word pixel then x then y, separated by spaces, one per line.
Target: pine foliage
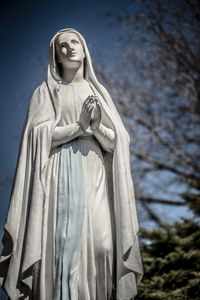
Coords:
pixel 171 259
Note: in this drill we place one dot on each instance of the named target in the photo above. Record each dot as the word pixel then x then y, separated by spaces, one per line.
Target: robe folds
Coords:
pixel 26 235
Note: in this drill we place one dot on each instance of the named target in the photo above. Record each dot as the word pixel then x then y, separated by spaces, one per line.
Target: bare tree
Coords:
pixel 157 90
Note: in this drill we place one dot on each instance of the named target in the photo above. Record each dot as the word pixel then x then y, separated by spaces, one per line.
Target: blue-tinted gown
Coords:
pixel 83 249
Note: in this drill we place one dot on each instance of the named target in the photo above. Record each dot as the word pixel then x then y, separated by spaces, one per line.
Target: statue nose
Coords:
pixel 71 47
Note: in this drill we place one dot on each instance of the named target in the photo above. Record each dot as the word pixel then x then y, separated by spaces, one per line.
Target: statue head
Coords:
pixel 60 56
pixel 69 51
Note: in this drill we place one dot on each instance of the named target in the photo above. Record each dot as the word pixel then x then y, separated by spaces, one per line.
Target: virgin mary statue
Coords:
pixel 71 229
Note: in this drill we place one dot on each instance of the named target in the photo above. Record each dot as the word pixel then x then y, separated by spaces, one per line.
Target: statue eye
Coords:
pixel 75 41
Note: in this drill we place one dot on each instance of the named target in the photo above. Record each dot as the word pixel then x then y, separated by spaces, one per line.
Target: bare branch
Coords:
pixel 161 201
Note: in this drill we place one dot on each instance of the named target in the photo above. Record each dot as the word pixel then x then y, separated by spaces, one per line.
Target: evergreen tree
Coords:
pixel 171 259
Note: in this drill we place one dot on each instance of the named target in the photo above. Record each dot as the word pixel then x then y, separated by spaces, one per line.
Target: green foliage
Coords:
pixel 191 199
pixel 171 260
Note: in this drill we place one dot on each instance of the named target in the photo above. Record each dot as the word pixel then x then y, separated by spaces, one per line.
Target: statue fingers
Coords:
pixel 86 101
pixel 89 107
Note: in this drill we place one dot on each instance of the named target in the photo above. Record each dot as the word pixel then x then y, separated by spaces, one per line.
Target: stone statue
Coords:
pixel 71 229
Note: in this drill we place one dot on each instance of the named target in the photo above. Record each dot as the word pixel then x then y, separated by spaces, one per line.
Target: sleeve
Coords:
pixel 106 137
pixel 64 134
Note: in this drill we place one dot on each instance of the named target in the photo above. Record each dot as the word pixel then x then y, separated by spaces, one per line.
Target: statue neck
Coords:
pixel 74 75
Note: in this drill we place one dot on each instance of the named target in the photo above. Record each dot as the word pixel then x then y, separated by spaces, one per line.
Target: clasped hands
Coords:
pixel 90 113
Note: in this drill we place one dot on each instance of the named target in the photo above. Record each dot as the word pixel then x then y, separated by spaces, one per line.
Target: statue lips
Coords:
pixel 72 53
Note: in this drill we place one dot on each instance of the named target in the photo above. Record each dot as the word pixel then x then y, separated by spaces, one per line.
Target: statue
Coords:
pixel 71 229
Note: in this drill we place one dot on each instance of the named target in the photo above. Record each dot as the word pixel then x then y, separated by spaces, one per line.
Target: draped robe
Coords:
pixel 25 237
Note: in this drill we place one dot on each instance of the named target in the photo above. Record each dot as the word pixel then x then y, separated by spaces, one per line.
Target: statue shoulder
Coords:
pixel 40 106
pixel 39 90
pixel 39 97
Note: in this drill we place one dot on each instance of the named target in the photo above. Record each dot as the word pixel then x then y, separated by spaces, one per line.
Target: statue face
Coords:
pixel 69 49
